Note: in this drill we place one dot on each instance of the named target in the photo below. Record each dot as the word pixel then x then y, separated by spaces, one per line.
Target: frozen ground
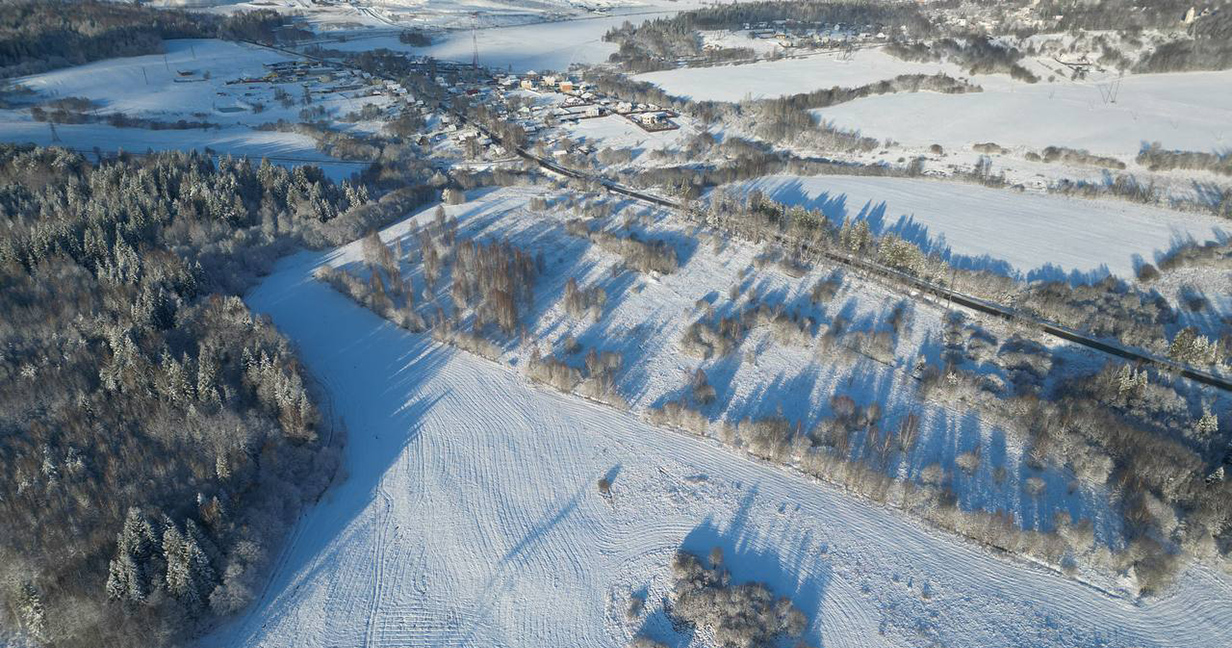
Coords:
pixel 288 149
pixel 152 87
pixel 768 79
pixel 470 516
pixel 1191 111
pixel 195 80
pixel 519 48
pixel 617 132
pixel 394 15
pixel 645 318
pixel 1035 236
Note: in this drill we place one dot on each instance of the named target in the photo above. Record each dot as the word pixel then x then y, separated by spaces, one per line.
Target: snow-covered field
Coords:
pixel 520 48
pixel 769 79
pixel 288 149
pixel 1106 114
pixel 153 87
pixel 395 15
pixel 470 516
pixel 617 132
pixel 1035 236
pixel 1191 111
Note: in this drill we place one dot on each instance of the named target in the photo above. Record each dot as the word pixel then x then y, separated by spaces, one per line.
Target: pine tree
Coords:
pixel 190 578
pixel 207 378
pixel 30 609
pixel 128 573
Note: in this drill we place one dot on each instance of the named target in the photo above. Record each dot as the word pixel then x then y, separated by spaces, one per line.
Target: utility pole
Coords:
pixel 475 40
pixel 950 295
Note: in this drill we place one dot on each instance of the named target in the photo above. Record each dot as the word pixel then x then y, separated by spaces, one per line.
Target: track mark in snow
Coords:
pixel 486 527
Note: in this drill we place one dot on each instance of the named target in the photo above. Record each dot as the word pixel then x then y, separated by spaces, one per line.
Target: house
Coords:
pixel 566 86
pixel 650 119
pixel 594 111
pixel 624 107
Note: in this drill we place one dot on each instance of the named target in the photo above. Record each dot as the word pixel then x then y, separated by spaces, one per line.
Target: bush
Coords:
pixel 734 616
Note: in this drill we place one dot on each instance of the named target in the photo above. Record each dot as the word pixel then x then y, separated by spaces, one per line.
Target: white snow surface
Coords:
pixel 540 46
pixel 617 132
pixel 1036 236
pixel 150 87
pixel 469 516
pixel 769 79
pixel 1189 111
pixel 1105 113
pixel 288 149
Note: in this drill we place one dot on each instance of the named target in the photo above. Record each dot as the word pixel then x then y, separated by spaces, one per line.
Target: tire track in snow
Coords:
pixel 381 539
pixel 496 459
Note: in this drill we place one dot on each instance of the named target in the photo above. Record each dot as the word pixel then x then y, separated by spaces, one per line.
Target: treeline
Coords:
pixel 1139 436
pixel 660 43
pixel 976 54
pixel 1081 157
pixel 38 35
pixel 1156 158
pixel 1120 15
pixel 1209 47
pixel 786 118
pixel 79 110
pixel 157 437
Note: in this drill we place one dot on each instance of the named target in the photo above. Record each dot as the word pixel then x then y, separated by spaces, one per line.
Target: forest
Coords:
pixel 159 437
pixel 657 44
pixel 41 35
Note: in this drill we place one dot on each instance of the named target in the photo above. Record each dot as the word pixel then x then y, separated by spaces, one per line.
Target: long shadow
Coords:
pixel 880 220
pixel 365 363
pixel 803 579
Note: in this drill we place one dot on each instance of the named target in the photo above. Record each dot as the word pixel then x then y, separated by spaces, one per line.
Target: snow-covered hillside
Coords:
pixel 1034 236
pixel 1190 111
pixel 768 79
pixel 470 516
pixel 197 81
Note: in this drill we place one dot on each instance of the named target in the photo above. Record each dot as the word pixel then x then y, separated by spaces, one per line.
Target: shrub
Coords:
pixel 735 616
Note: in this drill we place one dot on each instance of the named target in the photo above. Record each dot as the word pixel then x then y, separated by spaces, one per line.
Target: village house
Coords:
pixel 650 119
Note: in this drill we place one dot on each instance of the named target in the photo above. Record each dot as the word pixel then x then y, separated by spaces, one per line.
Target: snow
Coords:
pixel 1190 111
pixel 617 132
pixel 150 87
pixel 552 45
pixel 1035 236
pixel 288 149
pixel 768 79
pixel 469 516
pixel 645 318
